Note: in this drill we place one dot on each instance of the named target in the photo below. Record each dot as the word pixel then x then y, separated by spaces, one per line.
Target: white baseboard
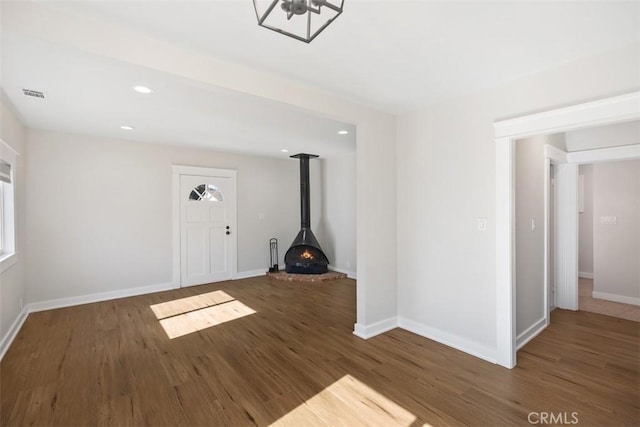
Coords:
pixel 459 343
pixel 13 331
pixel 377 328
pixel 585 275
pixel 530 333
pixel 102 296
pixel 616 298
pixel 251 273
pixel 350 274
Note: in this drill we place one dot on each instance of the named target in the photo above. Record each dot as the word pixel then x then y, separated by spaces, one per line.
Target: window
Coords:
pixel 2 250
pixel 207 193
pixel 7 207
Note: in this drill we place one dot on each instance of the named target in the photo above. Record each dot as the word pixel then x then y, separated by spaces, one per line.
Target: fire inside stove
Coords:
pixel 306 259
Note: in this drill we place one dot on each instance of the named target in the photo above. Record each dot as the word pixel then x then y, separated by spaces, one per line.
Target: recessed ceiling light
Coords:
pixel 343 132
pixel 142 89
pixel 126 127
pixel 284 150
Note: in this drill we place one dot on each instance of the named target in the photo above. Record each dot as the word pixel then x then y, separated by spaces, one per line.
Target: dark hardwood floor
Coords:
pixel 295 361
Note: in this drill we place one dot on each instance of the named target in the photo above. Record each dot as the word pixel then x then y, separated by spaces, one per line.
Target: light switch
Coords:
pixel 482 224
pixel 533 224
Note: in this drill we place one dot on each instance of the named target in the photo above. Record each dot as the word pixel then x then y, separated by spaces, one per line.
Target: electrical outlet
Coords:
pixel 482 224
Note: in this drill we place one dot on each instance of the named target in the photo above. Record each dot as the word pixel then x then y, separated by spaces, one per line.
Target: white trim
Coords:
pixel 606 111
pixel 505 256
pixel 566 236
pixel 177 171
pixel 555 154
pixel 531 332
pixel 473 348
pixel 175 222
pixel 616 298
pixel 580 193
pixel 251 273
pixel 202 171
pixel 34 307
pixel 350 274
pixel 377 328
pixel 546 239
pixel 13 331
pixel 628 152
pixel 7 260
pixel 585 275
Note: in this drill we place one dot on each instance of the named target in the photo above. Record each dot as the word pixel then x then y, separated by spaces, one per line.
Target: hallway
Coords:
pixel 609 308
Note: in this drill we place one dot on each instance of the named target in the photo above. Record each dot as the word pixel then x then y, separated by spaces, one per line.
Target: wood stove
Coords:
pixel 305 256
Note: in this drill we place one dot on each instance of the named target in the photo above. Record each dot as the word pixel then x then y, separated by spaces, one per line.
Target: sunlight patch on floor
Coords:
pixel 348 402
pixel 185 305
pixel 184 316
pixel 204 318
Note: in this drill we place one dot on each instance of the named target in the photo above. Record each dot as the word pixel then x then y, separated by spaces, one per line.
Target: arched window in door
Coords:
pixel 206 193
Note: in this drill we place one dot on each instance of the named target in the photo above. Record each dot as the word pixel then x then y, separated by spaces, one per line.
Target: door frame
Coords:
pixel 177 171
pixel 602 112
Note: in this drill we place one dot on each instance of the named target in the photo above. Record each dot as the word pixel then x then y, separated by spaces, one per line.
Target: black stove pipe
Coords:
pixel 305 191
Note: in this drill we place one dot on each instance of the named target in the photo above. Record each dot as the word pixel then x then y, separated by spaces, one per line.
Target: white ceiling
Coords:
pixel 392 55
pixel 87 94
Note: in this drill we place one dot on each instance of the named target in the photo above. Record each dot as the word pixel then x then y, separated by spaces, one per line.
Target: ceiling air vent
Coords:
pixel 33 93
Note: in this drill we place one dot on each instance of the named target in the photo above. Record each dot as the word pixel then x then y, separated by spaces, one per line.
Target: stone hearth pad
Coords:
pixel 330 275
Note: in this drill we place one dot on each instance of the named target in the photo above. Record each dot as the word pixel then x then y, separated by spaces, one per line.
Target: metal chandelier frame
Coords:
pixel 312 7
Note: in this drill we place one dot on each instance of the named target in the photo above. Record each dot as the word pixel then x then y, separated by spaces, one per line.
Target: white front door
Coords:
pixel 207 228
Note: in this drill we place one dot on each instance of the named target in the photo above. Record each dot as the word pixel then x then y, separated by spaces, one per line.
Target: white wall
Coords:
pixel 13 287
pixel 338 225
pixel 100 217
pixel 529 187
pixel 615 135
pixel 585 231
pixel 616 248
pixel 446 180
pixel 376 134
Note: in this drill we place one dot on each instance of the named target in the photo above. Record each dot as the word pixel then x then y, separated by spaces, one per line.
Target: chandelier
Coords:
pixel 301 19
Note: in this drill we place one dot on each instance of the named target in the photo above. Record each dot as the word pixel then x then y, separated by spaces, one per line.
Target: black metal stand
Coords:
pixel 273 255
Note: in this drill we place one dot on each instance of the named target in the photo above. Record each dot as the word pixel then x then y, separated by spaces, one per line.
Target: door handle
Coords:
pixel 228 227
pixel 228 232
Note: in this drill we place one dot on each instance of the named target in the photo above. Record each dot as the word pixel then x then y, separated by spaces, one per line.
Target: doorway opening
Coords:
pixel 609 237
pixel 607 111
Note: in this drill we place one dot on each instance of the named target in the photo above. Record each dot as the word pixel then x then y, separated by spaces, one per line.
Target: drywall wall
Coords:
pixel 616 247
pixel 529 196
pixel 375 143
pixel 619 134
pixel 585 218
pixel 446 181
pixel 13 289
pixel 103 220
pixel 338 223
